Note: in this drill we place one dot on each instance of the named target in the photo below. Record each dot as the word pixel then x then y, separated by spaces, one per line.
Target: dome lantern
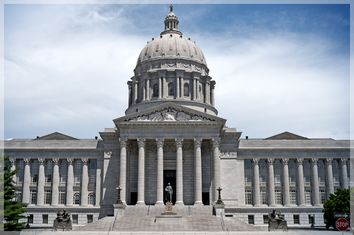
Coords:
pixel 171 23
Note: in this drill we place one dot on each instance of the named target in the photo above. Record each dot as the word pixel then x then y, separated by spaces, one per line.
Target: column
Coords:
pixel 135 92
pixel 330 186
pixel 216 160
pixel 141 172
pixel 13 168
pixel 55 184
pixel 26 181
pixel 271 186
pixel 130 94
pixel 148 89
pixel 123 169
pixel 207 92
pixel 70 182
pixel 41 182
pixel 286 187
pixel 197 87
pixel 256 188
pixel 84 182
pixel 160 87
pixel 194 89
pixel 177 87
pixel 179 172
pixel 160 189
pixel 198 171
pixel 143 84
pixel 300 182
pixel 98 182
pixel 212 93
pixel 315 185
pixel 344 173
pixel 164 87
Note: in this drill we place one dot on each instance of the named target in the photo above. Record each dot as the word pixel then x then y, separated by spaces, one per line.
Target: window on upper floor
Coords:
pixel 155 90
pixel 171 89
pixel 91 199
pixel 186 89
pixel 77 198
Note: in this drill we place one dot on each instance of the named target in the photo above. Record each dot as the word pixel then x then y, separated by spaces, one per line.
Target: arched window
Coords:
pixel 77 198
pixel 186 89
pixel 171 91
pixel 155 90
pixel 91 199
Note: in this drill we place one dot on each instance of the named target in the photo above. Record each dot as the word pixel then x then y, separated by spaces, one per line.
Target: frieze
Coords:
pixel 228 155
pixel 169 114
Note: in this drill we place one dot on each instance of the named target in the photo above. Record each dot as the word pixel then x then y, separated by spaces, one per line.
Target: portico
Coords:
pixel 180 140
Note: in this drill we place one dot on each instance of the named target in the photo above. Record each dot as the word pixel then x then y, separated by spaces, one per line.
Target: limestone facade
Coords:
pixel 171 133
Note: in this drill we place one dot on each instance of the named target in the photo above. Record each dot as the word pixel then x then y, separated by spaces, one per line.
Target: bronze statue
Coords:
pixel 169 190
pixel 276 221
pixel 62 221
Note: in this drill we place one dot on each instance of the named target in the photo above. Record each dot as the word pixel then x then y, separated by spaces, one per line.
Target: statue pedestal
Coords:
pixel 168 209
pixel 219 209
pixel 119 209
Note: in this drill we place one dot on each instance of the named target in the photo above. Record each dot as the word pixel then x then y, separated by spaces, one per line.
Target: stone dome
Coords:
pixel 171 68
pixel 171 45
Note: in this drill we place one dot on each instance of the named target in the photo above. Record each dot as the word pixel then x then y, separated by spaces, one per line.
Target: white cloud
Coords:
pixel 69 74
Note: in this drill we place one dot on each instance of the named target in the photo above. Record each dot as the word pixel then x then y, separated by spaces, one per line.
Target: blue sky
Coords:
pixel 277 67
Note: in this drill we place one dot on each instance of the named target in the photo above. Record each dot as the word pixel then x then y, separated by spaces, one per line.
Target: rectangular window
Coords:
pixel 48 196
pixel 296 219
pixel 89 219
pixel 62 197
pixel 33 197
pixel 248 197
pixel 30 219
pixel 75 218
pixel 322 195
pixel 264 198
pixel 265 219
pixel 34 179
pixel 311 219
pixel 92 178
pixel 278 197
pixel 251 219
pixel 44 219
pixel 292 196
pixel 308 197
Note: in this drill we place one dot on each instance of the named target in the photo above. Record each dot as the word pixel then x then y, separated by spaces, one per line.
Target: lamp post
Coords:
pixel 219 201
pixel 118 199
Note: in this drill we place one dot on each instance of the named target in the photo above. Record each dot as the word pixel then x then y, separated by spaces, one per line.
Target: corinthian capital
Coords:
pixel 179 142
pixel 141 143
pixel 198 142
pixel 216 142
pixel 123 142
pixel 159 142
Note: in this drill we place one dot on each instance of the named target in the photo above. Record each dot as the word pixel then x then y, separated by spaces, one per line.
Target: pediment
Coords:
pixel 286 136
pixel 169 112
pixel 56 136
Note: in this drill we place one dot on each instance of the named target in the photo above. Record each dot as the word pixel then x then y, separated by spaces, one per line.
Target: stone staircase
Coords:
pixel 188 218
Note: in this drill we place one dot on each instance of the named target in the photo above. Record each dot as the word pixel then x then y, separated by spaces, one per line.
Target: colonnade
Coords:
pixel 194 92
pixel 179 169
pixel 55 184
pixel 300 180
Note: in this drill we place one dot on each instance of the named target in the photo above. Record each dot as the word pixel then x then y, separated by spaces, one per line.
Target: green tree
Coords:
pixel 13 210
pixel 337 203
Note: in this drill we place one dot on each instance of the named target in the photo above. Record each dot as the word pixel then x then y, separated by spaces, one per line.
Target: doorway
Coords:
pixel 169 176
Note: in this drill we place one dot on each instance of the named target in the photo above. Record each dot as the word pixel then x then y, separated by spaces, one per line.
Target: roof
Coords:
pixel 286 136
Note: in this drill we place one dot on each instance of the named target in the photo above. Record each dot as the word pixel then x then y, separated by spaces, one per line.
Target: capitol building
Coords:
pixel 171 133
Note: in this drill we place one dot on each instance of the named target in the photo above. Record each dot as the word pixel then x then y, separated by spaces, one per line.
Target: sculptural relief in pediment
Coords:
pixel 169 114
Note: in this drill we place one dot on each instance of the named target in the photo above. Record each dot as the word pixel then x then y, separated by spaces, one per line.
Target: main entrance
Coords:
pixel 169 176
